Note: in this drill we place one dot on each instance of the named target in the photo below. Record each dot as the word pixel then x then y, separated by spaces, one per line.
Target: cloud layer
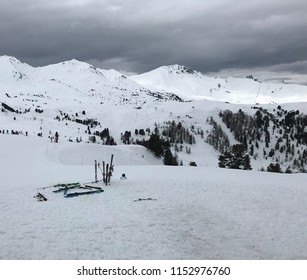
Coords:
pixel 137 36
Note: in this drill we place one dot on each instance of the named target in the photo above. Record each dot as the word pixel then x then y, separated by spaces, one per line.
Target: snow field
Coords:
pixel 194 212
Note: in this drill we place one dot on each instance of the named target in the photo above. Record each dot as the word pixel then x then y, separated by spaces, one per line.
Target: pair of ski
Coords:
pixel 65 187
pixel 68 186
pixel 83 193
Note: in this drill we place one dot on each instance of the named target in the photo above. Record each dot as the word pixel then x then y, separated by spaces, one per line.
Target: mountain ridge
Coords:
pixel 176 79
pixel 194 85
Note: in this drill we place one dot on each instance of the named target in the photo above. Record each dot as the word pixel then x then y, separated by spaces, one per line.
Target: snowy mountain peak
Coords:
pixel 76 63
pixel 112 74
pixel 180 69
pixel 12 70
pixel 8 59
pixel 72 64
pixel 10 62
pixel 72 70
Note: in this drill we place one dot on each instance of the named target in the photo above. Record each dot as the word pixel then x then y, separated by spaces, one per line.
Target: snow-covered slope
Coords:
pixel 191 84
pixel 158 213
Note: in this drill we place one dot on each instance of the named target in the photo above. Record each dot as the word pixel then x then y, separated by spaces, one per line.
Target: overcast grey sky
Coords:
pixel 223 36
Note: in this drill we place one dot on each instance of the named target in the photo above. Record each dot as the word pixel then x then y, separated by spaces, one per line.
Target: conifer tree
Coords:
pixel 236 159
pixel 56 137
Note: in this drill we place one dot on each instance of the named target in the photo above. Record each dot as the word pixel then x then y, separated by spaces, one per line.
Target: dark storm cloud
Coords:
pixel 138 36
